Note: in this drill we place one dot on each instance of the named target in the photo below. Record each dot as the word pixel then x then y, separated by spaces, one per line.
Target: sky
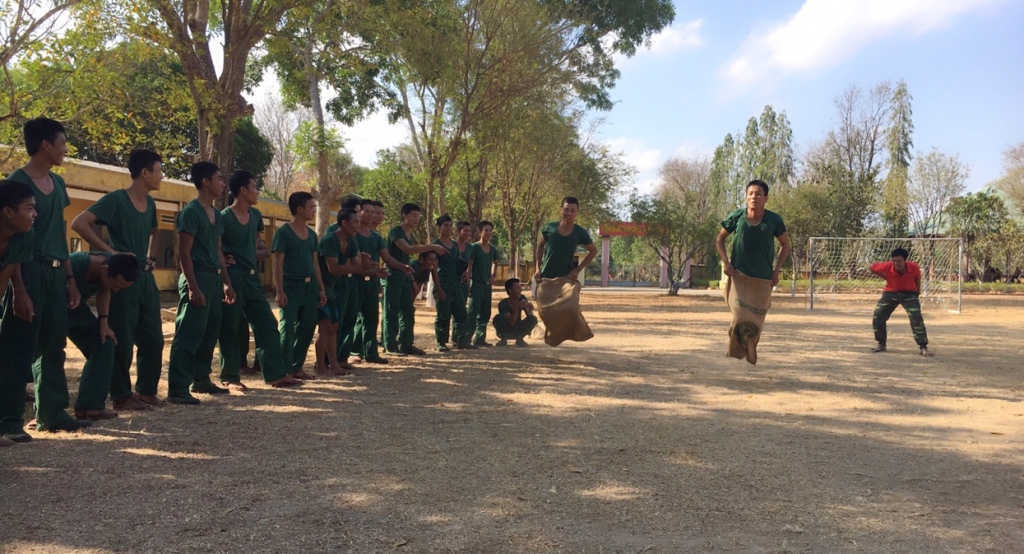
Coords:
pixel 721 62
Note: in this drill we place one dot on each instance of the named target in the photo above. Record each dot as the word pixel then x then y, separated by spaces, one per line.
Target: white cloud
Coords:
pixel 636 153
pixel 825 32
pixel 678 37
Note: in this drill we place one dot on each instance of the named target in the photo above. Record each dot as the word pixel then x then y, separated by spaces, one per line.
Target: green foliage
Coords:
pixel 1004 248
pixel 672 224
pixel 974 217
pixel 394 182
pixel 253 151
pixel 895 196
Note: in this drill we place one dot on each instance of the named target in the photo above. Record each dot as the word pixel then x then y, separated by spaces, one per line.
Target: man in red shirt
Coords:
pixel 902 286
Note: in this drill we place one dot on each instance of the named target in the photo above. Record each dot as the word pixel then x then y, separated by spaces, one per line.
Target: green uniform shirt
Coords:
pixel 239 241
pixel 505 308
pixel 80 262
pixel 19 249
pixel 298 253
pixel 129 229
pixel 451 265
pixel 397 253
pixel 753 247
pixel 330 247
pixel 482 262
pixel 559 250
pixel 351 250
pixel 418 277
pixel 194 221
pixel 372 244
pixel 49 242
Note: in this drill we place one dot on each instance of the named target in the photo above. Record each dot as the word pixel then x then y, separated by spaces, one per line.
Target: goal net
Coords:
pixel 839 268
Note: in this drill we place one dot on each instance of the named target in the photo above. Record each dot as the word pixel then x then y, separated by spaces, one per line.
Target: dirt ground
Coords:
pixel 644 439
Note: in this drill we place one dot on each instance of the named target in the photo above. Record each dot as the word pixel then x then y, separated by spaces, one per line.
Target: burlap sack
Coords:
pixel 558 306
pixel 749 299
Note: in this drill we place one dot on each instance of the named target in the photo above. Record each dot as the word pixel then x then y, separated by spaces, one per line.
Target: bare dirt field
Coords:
pixel 644 439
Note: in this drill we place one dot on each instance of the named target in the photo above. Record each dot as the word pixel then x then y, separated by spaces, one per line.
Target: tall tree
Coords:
pixel 1012 180
pixel 459 62
pixel 766 151
pixel 938 178
pixel 279 124
pixel 895 199
pixel 974 217
pixel 326 46
pixel 187 28
pixel 724 179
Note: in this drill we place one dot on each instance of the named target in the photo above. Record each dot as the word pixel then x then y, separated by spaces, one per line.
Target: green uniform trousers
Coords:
pixel 452 307
pixel 887 304
pixel 36 346
pixel 298 322
pixel 196 330
pixel 346 298
pixel 250 305
pixel 135 319
pixel 84 332
pixel 399 314
pixel 364 336
pixel 514 332
pixel 479 309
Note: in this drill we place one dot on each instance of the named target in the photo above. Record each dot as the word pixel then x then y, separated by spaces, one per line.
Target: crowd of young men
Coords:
pixel 335 282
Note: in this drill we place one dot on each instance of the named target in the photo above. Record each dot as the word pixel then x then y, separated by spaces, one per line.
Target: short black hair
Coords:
pixel 140 159
pixel 462 224
pixel 297 200
pixel 409 208
pixel 427 254
pixel 571 200
pixel 480 226
pixel 39 130
pixel 443 219
pixel 902 253
pixel 758 182
pixel 352 203
pixel 238 179
pixel 202 170
pixel 510 283
pixel 366 201
pixel 378 203
pixel 13 193
pixel 123 265
pixel 345 215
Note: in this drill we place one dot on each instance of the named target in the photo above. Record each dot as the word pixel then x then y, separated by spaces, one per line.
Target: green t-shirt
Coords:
pixel 50 240
pixel 505 307
pixel 19 249
pixel 330 247
pixel 298 253
pixel 560 250
pixel 129 229
pixel 482 262
pixel 239 241
pixel 397 253
pixel 372 244
pixel 451 265
pixel 80 268
pixel 194 221
pixel 753 247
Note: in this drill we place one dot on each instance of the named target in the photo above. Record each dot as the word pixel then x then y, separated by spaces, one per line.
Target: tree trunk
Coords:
pixel 324 191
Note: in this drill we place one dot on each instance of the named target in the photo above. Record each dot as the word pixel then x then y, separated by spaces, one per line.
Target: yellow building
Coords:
pixel 88 181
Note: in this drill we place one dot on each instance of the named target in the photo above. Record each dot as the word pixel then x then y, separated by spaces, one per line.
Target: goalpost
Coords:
pixel 840 266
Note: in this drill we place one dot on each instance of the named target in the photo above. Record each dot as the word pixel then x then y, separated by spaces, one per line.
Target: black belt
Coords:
pixel 204 269
pixel 244 270
pixel 297 279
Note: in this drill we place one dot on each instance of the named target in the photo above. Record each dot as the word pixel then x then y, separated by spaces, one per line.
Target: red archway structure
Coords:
pixel 611 229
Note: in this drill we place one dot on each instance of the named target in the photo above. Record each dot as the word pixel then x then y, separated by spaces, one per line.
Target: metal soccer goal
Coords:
pixel 840 266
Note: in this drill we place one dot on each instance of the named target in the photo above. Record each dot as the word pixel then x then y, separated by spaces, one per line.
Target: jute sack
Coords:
pixel 558 306
pixel 749 299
